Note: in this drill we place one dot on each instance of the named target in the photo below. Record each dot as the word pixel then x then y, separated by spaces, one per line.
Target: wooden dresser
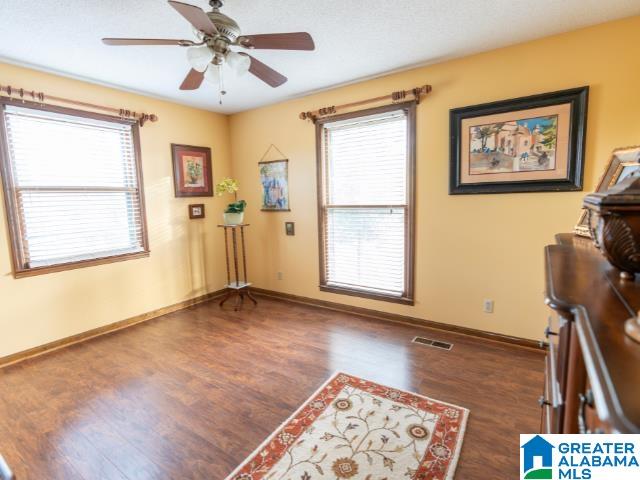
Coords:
pixel 592 368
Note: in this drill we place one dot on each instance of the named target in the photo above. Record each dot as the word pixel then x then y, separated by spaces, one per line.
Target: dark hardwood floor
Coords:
pixel 191 394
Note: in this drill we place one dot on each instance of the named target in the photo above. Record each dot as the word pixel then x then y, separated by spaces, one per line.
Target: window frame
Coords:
pixel 11 202
pixel 407 297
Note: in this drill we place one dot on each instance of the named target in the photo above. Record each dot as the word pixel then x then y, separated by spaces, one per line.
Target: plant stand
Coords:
pixel 238 288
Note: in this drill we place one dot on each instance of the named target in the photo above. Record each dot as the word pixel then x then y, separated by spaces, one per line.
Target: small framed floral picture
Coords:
pixel 192 175
pixel 196 210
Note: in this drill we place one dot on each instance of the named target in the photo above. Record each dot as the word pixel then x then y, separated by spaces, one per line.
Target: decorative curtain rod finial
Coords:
pixel 145 117
pixel 308 116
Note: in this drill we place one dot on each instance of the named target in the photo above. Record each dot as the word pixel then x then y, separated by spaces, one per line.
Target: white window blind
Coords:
pixel 75 186
pixel 365 204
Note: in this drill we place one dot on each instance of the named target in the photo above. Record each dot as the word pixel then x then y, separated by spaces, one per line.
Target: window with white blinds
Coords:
pixel 365 203
pixel 72 185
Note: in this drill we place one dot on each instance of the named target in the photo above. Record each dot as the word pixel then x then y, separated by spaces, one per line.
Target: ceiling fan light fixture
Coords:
pixel 240 64
pixel 200 57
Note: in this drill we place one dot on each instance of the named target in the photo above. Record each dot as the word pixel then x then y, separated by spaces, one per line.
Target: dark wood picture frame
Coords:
pixel 20 270
pixel 178 154
pixel 578 100
pixel 196 210
pixel 408 296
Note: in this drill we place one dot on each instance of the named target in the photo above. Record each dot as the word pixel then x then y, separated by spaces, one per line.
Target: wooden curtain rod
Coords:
pixel 399 96
pixel 32 95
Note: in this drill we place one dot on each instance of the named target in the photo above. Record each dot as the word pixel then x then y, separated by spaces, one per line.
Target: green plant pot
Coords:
pixel 233 218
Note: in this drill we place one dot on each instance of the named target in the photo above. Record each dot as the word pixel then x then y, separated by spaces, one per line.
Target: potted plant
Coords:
pixel 234 213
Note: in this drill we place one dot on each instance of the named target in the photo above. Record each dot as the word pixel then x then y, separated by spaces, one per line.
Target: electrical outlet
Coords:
pixel 279 275
pixel 488 306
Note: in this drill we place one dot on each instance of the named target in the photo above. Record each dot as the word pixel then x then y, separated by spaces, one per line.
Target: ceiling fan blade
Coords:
pixel 265 73
pixel 146 41
pixel 278 41
pixel 195 16
pixel 193 80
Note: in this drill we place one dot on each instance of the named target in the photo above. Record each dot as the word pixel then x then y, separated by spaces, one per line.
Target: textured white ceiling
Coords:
pixel 354 39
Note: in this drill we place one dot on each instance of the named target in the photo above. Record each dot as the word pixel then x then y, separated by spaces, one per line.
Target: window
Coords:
pixel 366 165
pixel 73 188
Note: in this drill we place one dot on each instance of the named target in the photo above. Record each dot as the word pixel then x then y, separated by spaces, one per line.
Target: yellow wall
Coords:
pixel 469 248
pixel 186 256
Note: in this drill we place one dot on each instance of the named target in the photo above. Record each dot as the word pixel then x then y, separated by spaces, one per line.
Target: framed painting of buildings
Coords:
pixel 528 144
pixel 623 163
pixel 274 177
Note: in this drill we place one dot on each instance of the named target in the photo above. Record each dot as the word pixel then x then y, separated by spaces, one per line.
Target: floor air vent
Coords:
pixel 433 343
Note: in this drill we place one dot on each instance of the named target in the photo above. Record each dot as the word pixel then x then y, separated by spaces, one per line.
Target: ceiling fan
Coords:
pixel 216 34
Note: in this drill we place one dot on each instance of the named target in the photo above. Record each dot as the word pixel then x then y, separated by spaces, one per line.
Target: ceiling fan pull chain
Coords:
pixel 222 90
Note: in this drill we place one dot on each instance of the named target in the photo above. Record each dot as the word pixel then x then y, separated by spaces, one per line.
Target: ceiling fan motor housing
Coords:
pixel 227 27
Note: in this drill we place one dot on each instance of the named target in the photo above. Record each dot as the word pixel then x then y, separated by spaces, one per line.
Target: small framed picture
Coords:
pixel 290 228
pixel 192 175
pixel 623 163
pixel 196 210
pixel 528 144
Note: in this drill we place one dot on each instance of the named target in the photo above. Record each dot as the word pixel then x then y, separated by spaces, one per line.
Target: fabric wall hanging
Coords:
pixel 274 178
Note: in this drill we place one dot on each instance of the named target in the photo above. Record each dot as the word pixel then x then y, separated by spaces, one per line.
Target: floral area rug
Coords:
pixel 356 429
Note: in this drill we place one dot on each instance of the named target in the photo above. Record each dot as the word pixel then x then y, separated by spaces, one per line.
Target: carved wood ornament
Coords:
pixel 614 222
